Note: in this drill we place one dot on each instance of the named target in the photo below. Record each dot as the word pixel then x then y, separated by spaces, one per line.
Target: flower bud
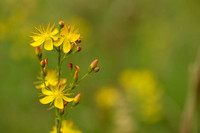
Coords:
pixel 96 69
pixel 42 63
pixel 70 65
pixel 76 73
pixel 61 23
pixel 38 52
pixel 62 110
pixel 78 48
pixel 44 70
pixel 72 46
pixel 78 41
pixel 65 104
pixel 46 61
pixel 92 66
pixel 77 99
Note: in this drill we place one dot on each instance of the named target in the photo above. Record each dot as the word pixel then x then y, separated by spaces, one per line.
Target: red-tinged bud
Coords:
pixel 42 63
pixel 94 64
pixel 62 110
pixel 76 73
pixel 65 104
pixel 38 52
pixel 77 67
pixel 77 99
pixel 70 65
pixel 78 48
pixel 46 61
pixel 72 46
pixel 96 69
pixel 61 23
pixel 78 41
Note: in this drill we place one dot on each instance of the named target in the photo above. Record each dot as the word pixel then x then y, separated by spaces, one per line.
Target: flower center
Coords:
pixel 57 93
pixel 46 35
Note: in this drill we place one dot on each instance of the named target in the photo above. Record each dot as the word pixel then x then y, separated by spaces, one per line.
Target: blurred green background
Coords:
pixel 144 47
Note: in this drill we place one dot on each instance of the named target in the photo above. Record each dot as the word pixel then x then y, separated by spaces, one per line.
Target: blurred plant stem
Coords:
pixel 58 114
pixel 191 116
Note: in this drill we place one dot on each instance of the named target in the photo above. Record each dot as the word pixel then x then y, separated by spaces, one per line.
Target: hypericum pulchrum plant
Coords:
pixel 54 89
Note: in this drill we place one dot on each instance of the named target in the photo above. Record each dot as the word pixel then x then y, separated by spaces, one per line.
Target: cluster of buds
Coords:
pixel 43 64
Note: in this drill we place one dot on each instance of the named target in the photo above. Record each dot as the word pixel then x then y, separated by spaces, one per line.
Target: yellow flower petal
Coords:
pixel 35 44
pixel 64 31
pixel 67 99
pixel 55 38
pixel 59 42
pixel 59 103
pixel 74 37
pixel 48 44
pixel 36 38
pixel 66 46
pixel 54 130
pixel 54 32
pixel 46 92
pixel 38 42
pixel 39 86
pixel 47 99
pixel 63 87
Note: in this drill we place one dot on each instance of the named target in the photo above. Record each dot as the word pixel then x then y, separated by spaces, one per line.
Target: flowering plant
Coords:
pixel 54 89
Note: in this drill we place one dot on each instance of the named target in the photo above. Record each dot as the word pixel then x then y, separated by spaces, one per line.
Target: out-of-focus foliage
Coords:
pixel 144 49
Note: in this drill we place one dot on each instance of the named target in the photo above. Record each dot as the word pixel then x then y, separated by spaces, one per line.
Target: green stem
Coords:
pixel 59 64
pixel 58 114
pixel 73 85
pixel 87 74
pixel 58 120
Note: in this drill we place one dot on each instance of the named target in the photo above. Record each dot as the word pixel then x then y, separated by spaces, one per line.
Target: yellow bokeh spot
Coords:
pixel 142 90
pixel 107 97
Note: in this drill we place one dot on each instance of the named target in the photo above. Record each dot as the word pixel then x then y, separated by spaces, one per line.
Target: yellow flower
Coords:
pixel 56 94
pixel 142 89
pixel 45 36
pixel 66 127
pixel 67 37
pixel 50 79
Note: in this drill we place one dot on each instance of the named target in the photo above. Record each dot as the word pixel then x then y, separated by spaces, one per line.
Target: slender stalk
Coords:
pixel 83 77
pixel 58 114
pixel 193 102
pixel 58 120
pixel 59 64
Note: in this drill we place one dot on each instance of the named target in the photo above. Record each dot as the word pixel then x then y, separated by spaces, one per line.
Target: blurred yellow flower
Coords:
pixel 107 97
pixel 67 37
pixel 66 127
pixel 142 89
pixel 55 93
pixel 51 79
pixel 45 36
